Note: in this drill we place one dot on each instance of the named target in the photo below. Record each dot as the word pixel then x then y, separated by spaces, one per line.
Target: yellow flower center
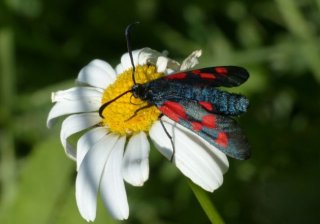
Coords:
pixel 122 115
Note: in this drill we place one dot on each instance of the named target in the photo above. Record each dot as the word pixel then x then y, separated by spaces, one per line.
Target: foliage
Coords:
pixel 43 44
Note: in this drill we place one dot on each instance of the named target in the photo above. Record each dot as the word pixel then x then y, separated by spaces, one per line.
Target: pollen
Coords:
pixel 126 115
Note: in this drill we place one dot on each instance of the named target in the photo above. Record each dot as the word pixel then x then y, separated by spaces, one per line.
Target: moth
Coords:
pixel 192 99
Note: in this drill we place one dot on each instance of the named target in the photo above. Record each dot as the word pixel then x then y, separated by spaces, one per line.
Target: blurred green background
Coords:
pixel 43 45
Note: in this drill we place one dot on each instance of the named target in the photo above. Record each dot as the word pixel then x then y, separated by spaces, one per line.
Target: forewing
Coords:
pixel 221 131
pixel 227 76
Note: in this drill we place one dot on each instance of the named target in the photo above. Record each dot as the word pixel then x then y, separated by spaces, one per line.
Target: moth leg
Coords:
pixel 134 103
pixel 141 108
pixel 169 136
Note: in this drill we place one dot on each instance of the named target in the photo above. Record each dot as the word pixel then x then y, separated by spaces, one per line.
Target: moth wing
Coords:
pixel 220 131
pixel 227 76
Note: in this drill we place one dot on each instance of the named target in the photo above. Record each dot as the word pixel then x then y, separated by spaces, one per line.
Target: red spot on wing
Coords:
pixel 207 76
pixel 177 108
pixel 196 72
pixel 168 112
pixel 173 110
pixel 181 75
pixel 221 70
pixel 206 105
pixel 196 126
pixel 209 121
pixel 222 139
pixel 203 75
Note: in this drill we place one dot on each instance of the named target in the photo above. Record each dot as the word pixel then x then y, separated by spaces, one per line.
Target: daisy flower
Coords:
pixel 114 148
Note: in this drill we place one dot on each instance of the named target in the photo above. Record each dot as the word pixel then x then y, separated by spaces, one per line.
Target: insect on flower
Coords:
pixel 115 109
pixel 191 99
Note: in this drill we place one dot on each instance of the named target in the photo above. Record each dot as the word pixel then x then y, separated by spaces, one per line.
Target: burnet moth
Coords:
pixel 191 99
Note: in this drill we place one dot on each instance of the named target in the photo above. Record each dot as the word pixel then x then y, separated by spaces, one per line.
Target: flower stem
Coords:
pixel 206 204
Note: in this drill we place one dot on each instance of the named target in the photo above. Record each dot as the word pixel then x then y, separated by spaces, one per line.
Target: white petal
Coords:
pixel 87 141
pixel 119 69
pixel 112 188
pixel 126 62
pixel 191 60
pixel 201 162
pixel 73 124
pixel 90 174
pixel 135 168
pixel 162 63
pixel 97 73
pixel 71 107
pixel 65 108
pixel 148 55
pixel 77 93
pixel 74 100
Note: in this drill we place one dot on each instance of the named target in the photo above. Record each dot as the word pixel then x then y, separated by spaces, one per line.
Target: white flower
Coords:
pixel 103 160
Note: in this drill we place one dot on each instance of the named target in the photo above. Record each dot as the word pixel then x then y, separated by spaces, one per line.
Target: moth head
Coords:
pixel 139 91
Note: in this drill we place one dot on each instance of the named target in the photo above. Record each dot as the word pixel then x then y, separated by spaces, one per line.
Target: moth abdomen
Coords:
pixel 229 104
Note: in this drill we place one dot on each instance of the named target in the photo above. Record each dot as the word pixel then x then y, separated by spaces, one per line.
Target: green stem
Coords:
pixel 206 204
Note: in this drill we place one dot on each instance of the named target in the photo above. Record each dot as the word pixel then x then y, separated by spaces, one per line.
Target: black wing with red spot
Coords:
pixel 220 131
pixel 227 76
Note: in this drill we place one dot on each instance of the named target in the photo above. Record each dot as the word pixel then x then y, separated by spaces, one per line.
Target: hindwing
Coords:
pixel 220 131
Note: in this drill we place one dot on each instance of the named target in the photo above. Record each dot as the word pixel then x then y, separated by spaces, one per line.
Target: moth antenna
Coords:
pixel 101 109
pixel 128 38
